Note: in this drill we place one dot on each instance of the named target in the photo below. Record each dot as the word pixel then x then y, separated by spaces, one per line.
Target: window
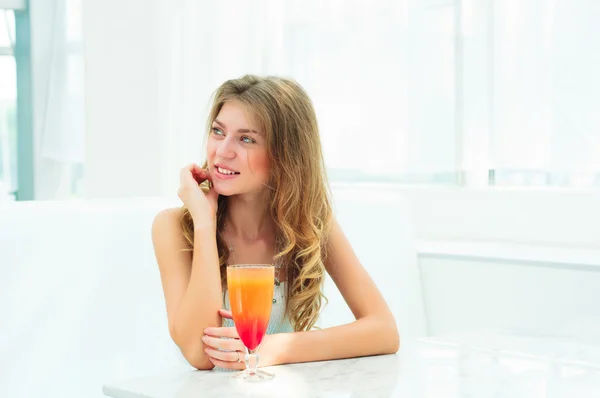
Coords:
pixel 382 80
pixel 476 93
pixel 499 93
pixel 8 106
pixel 381 77
pixel 545 93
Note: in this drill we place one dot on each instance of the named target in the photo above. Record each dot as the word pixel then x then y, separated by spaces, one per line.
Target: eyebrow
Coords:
pixel 239 130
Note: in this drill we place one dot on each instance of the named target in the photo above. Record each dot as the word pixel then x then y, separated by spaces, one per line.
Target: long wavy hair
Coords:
pixel 299 190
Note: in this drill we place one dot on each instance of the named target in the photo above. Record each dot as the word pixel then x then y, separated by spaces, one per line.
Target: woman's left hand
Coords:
pixel 229 352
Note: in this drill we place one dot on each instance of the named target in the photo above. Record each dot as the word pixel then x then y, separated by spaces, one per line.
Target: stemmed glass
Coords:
pixel 250 289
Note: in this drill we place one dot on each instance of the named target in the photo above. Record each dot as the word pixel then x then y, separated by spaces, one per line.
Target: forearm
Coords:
pixel 199 307
pixel 367 336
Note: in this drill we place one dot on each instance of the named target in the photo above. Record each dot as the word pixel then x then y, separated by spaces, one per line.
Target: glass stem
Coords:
pixel 251 360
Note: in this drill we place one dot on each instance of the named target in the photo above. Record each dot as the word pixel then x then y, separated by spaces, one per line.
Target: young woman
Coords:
pixel 268 203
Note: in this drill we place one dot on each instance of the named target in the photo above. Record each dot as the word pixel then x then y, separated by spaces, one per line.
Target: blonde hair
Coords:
pixel 300 198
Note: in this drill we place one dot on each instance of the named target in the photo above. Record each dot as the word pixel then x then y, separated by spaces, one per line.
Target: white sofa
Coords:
pixel 81 300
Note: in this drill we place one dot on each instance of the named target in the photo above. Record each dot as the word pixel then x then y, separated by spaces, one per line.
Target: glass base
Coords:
pixel 254 376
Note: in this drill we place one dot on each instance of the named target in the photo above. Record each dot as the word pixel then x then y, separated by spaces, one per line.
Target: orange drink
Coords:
pixel 251 298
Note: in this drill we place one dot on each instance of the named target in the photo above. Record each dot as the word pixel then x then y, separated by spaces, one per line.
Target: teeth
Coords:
pixel 224 171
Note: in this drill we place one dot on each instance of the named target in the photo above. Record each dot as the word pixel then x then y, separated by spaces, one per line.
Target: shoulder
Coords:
pixel 166 219
pixel 169 240
pixel 166 226
pixel 338 247
pixel 334 231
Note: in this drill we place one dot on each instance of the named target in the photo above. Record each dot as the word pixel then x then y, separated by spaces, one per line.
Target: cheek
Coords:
pixel 259 163
pixel 210 148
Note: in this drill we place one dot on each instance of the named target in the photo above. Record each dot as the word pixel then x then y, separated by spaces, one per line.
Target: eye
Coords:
pixel 248 140
pixel 217 131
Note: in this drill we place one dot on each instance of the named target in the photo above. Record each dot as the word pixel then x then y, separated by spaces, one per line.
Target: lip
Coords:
pixel 223 176
pixel 225 167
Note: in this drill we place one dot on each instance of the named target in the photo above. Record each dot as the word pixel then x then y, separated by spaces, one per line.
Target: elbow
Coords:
pixel 196 357
pixel 199 362
pixel 391 342
pixel 394 341
pixel 192 352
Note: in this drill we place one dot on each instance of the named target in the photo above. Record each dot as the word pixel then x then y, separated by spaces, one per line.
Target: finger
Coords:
pixel 225 314
pixel 230 332
pixel 184 174
pixel 227 365
pixel 193 171
pixel 224 344
pixel 189 183
pixel 227 356
pixel 200 176
pixel 199 170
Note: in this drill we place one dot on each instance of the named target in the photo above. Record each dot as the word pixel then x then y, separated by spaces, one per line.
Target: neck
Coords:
pixel 248 217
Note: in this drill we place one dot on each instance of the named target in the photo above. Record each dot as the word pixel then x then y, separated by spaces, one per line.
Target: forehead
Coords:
pixel 235 115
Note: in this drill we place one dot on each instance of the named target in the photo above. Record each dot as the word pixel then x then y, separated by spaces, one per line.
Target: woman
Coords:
pixel 268 203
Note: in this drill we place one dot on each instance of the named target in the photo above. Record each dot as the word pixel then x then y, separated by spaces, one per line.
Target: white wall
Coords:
pixel 466 293
pixel 539 216
pixel 526 261
pixel 500 260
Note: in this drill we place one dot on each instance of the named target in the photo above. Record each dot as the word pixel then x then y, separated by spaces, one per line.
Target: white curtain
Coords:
pixel 8 96
pixel 417 88
pixel 58 96
pixel 373 70
pixel 531 90
pixel 546 88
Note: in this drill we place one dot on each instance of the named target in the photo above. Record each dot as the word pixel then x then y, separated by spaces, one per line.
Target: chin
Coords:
pixel 224 191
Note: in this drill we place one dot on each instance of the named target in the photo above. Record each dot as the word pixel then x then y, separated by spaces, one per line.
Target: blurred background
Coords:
pixel 465 133
pixel 109 98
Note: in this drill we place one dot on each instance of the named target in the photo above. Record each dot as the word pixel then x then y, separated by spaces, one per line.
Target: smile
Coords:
pixel 226 171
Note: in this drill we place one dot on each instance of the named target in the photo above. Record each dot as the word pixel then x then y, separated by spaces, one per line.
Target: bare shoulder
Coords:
pixel 337 244
pixel 335 235
pixel 166 219
pixel 166 230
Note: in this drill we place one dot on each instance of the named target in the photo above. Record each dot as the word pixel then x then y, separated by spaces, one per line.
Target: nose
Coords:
pixel 225 148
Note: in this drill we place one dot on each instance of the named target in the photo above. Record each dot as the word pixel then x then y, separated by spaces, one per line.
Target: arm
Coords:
pixel 373 332
pixel 191 284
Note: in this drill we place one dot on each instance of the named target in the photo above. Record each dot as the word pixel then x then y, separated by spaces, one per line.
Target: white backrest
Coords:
pixel 378 225
pixel 81 299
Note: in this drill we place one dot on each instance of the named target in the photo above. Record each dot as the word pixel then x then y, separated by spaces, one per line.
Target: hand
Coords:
pixel 235 350
pixel 202 207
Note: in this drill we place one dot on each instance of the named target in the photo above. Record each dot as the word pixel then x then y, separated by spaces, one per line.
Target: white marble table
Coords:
pixel 473 366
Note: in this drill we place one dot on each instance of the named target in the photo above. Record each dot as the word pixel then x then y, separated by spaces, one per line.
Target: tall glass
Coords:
pixel 250 289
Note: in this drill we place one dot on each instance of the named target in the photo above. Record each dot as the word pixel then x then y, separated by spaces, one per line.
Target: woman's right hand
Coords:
pixel 202 207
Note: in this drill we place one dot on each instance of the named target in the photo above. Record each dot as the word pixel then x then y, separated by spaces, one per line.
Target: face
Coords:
pixel 237 153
